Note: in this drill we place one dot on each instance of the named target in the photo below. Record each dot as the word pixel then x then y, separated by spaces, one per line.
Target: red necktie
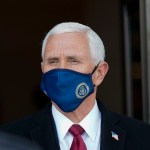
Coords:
pixel 78 143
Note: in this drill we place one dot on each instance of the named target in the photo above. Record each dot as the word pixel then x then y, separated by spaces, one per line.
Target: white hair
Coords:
pixel 95 43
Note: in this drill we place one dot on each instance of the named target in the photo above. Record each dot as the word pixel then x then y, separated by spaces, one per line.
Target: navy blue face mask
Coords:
pixel 67 88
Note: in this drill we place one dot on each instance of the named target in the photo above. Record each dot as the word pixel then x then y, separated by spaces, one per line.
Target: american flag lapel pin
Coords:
pixel 114 135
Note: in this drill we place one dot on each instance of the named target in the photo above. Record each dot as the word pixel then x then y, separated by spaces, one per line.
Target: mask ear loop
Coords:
pixel 95 68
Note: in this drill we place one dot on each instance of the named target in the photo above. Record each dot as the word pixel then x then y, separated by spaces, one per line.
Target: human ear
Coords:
pixel 42 66
pixel 100 73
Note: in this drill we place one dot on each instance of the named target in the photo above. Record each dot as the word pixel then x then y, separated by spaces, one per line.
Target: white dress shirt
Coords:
pixel 91 124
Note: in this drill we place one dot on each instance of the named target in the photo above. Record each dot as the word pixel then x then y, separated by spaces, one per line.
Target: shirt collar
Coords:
pixel 92 122
pixel 89 126
pixel 62 123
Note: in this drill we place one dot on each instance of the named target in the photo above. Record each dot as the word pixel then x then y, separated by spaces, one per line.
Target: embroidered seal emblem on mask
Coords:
pixel 82 90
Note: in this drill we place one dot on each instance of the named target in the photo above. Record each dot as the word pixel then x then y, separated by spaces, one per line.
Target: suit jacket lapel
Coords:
pixel 112 136
pixel 45 133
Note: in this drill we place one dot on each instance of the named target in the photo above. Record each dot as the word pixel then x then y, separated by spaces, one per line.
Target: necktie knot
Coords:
pixel 78 143
pixel 76 130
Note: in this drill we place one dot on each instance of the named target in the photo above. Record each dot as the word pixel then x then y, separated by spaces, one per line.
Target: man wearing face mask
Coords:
pixel 73 67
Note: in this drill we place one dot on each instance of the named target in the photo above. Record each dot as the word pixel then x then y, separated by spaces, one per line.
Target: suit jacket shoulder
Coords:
pixel 39 127
pixel 123 133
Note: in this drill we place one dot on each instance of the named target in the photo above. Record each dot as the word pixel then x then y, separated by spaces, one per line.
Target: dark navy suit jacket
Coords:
pixel 40 127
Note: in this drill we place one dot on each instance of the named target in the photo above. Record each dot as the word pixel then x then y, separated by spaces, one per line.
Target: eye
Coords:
pixel 74 61
pixel 52 62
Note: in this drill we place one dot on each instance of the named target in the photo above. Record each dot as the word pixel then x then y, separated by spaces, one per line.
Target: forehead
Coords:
pixel 68 42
